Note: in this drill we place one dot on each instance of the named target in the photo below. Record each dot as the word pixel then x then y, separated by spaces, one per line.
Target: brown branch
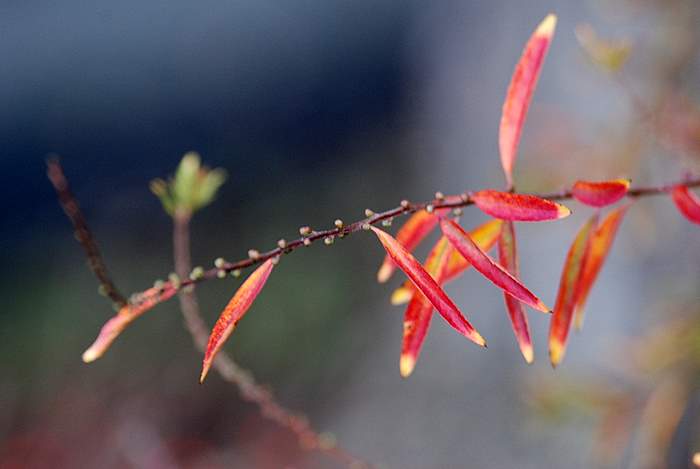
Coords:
pixel 231 372
pixel 457 201
pixel 82 233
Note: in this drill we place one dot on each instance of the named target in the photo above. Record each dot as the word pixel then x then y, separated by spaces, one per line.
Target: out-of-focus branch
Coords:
pixel 249 390
pixel 82 232
pixel 229 370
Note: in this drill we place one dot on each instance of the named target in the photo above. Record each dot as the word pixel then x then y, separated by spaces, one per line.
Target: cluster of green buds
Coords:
pixel 193 187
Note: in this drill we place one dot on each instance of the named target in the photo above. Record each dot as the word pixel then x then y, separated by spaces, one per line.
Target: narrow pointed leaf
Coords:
pixel 600 194
pixel 127 314
pixel 233 312
pixel 518 207
pixel 520 90
pixel 417 227
pixel 600 247
pixel 508 257
pixel 428 286
pixel 484 235
pixel 487 267
pixel 571 277
pixel 687 202
pixel 420 310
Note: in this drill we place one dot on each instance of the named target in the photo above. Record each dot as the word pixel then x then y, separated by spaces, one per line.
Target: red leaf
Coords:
pixel 112 328
pixel 488 268
pixel 508 257
pixel 425 283
pixel 520 91
pixel 600 194
pixel 571 277
pixel 484 235
pixel 518 207
pixel 234 311
pixel 600 247
pixel 417 227
pixel 687 202
pixel 420 310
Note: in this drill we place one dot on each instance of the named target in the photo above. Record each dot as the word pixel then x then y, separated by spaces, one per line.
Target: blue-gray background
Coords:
pixel 317 110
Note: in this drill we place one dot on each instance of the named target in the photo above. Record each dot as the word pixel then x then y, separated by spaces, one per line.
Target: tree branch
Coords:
pixel 82 233
pixel 310 236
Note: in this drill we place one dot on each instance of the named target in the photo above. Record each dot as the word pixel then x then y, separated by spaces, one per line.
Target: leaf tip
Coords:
pixel 90 355
pixel 401 296
pixel 540 306
pixel 528 354
pixel 406 365
pixel 384 272
pixel 547 26
pixel 478 340
pixel 563 211
pixel 205 371
pixel 556 353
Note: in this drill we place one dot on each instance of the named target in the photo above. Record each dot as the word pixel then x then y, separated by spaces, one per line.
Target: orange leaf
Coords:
pixel 687 202
pixel 571 278
pixel 484 235
pixel 420 310
pixel 428 286
pixel 488 268
pixel 600 194
pixel 600 247
pixel 508 257
pixel 112 328
pixel 518 207
pixel 520 91
pixel 233 312
pixel 417 227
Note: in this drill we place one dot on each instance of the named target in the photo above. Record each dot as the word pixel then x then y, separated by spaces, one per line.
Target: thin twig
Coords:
pixel 448 202
pixel 229 370
pixel 243 379
pixel 82 232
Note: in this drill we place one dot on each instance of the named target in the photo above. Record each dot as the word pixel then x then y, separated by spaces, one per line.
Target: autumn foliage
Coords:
pixel 456 250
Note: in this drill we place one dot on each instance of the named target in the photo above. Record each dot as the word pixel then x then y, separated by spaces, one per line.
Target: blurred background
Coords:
pixel 318 110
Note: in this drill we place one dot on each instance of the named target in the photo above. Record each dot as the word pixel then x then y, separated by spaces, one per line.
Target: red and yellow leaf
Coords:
pixel 600 247
pixel 428 286
pixel 508 257
pixel 687 202
pixel 112 328
pixel 600 194
pixel 420 310
pixel 520 90
pixel 518 207
pixel 417 227
pixel 487 267
pixel 233 312
pixel 484 235
pixel 569 287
